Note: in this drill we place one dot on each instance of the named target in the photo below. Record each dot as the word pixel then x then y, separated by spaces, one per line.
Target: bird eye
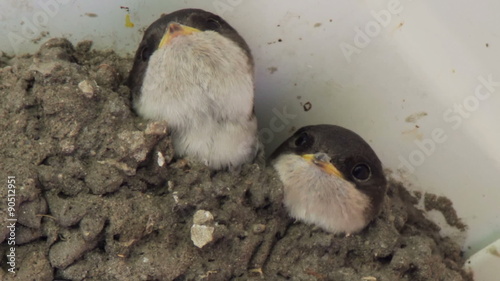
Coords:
pixel 302 140
pixel 145 53
pixel 361 172
pixel 213 24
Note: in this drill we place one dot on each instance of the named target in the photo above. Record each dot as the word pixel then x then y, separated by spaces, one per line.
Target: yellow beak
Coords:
pixel 319 160
pixel 175 29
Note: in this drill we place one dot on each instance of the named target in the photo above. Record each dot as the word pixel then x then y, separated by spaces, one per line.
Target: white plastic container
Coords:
pixel 418 79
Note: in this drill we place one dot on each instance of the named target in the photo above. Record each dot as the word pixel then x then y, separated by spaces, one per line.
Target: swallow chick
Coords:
pixel 331 177
pixel 195 71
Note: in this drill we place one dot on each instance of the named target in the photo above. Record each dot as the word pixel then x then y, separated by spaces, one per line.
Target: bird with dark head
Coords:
pixel 332 178
pixel 193 70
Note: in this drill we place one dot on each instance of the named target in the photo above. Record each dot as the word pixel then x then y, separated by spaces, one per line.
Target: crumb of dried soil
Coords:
pixel 445 206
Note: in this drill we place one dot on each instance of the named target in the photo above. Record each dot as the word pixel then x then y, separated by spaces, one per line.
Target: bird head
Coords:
pixel 331 159
pixel 168 27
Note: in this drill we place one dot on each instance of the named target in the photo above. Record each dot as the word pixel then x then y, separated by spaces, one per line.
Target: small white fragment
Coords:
pixel 208 273
pixel 201 235
pixel 176 197
pixel 67 146
pixel 156 128
pixel 202 217
pixel 129 171
pixel 161 159
pixel 258 228
pixel 88 88
pixel 170 186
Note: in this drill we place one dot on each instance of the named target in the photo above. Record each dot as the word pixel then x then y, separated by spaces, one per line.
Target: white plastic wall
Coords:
pixel 418 79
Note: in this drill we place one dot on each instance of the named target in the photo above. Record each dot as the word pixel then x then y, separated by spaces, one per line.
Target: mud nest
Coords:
pixel 99 195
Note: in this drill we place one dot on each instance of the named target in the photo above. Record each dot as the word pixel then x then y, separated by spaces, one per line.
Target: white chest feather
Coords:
pixel 313 196
pixel 202 84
